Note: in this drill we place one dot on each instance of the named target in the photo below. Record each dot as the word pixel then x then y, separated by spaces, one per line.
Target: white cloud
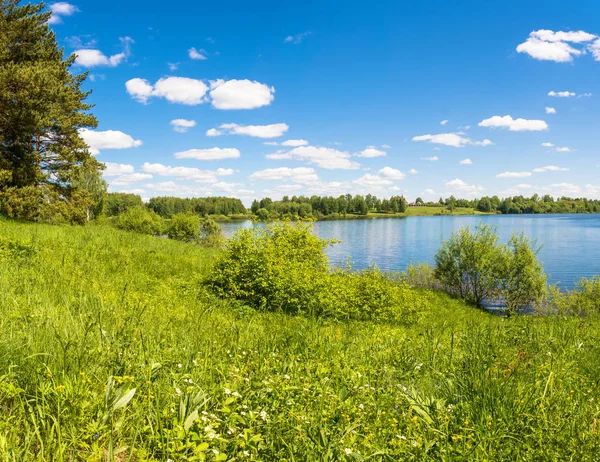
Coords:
pixel 128 178
pixel 547 145
pixel 231 94
pixel 298 38
pixel 113 169
pixel 431 159
pixel 268 143
pixel 514 125
pixel 197 54
pixel 550 168
pixel 412 171
pixel 466 162
pixel 460 185
pixel 208 154
pixel 372 181
pixel 547 45
pixel 561 94
pixel 173 66
pixel 300 175
pixel 187 173
pixel 257 131
pixel 182 125
pixel 371 151
pixel 513 175
pixel 327 158
pixel 59 10
pixel 550 110
pixel 180 90
pixel 443 122
pixel 94 58
pixel 563 149
pixel 452 139
pixel 240 94
pixel 109 139
pixel 294 143
pixel 385 146
pixel 392 173
pixel 279 155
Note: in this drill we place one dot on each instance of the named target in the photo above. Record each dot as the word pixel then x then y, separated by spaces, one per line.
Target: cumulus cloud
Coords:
pixel 257 131
pixel 182 125
pixel 459 185
pixel 550 110
pixel 327 158
pixel 128 178
pixel 294 143
pixel 466 162
pixel 514 125
pixel 300 175
pixel 109 139
pixel 412 171
pixel 431 159
pixel 208 154
pixel 392 173
pixel 298 38
pixel 231 94
pixel 114 169
pixel 547 45
pixel 197 54
pixel 240 94
pixel 60 10
pixel 561 94
pixel 279 155
pixel 95 58
pixel 443 122
pixel 371 151
pixel 452 139
pixel 513 175
pixel 372 180
pixel 550 168
pixel 186 173
pixel 547 145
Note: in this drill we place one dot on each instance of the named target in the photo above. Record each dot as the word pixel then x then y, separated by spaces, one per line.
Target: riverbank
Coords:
pixel 195 376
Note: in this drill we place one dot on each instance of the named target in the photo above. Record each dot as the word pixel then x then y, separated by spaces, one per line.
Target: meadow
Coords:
pixel 113 348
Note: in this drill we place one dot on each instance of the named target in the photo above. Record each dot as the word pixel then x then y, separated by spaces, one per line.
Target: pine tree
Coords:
pixel 42 108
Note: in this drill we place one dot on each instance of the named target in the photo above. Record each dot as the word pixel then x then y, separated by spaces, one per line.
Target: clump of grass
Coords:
pixel 217 380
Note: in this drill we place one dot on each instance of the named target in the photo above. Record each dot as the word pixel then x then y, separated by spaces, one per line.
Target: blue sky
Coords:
pixel 273 98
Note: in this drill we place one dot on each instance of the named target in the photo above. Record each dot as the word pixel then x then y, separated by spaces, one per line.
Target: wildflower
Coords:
pixel 263 415
pixel 401 437
pixel 208 428
pixel 236 394
pixel 178 391
pixel 286 377
pixel 227 391
pixel 212 435
pixel 179 365
pixel 247 453
pixel 348 451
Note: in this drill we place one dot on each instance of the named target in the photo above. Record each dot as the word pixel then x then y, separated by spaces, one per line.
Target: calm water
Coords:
pixel 571 243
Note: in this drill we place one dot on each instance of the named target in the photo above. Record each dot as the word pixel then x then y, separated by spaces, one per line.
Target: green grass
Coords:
pixel 216 381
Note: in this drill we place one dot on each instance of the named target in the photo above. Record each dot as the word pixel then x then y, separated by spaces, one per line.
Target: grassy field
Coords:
pixel 195 378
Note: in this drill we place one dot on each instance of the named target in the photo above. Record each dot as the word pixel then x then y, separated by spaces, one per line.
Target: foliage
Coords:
pixel 166 207
pixel 471 263
pixel 523 282
pixel 583 300
pixel 476 267
pixel 184 227
pixel 211 234
pixel 213 380
pixel 140 220
pixel 118 203
pixel 283 267
pixel 42 110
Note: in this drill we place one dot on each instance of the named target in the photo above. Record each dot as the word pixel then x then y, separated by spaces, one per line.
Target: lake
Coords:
pixel 571 243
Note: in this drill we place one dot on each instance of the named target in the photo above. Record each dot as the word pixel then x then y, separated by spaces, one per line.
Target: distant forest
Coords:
pixel 339 207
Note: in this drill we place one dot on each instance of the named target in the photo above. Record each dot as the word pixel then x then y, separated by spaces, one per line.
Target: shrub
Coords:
pixel 140 220
pixel 184 227
pixel 584 300
pixel 476 267
pixel 468 264
pixel 283 267
pixel 211 233
pixel 420 275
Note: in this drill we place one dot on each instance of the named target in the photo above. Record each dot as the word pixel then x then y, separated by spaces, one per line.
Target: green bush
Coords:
pixel 283 267
pixel 475 266
pixel 584 300
pixel 211 233
pixel 140 220
pixel 184 227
